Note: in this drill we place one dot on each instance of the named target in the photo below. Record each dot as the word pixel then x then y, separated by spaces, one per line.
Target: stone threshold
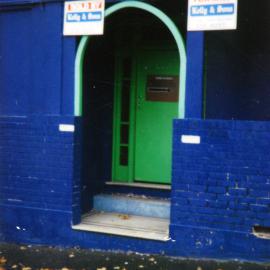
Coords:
pixel 139 185
pixel 125 225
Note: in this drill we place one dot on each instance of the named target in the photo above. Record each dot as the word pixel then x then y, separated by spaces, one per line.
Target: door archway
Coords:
pixel 78 87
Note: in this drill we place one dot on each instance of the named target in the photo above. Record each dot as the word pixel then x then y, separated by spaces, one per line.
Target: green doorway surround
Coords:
pixel 78 89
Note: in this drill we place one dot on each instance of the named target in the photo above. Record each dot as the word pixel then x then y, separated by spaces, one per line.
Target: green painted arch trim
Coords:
pixel 78 94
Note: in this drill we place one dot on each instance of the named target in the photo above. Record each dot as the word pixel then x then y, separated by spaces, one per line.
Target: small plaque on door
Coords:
pixel 162 88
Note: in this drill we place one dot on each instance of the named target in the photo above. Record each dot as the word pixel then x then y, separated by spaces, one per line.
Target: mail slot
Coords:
pixel 162 88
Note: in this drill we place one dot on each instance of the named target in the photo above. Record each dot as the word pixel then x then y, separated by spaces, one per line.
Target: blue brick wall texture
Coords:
pixel 223 183
pixel 40 190
pixel 37 163
pixel 220 189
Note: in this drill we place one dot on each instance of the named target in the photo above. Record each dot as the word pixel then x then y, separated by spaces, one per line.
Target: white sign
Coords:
pixel 212 15
pixel 191 139
pixel 66 128
pixel 84 18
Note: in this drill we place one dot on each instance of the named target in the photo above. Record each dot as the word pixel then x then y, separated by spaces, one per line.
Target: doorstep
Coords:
pixel 143 227
pixel 132 205
pixel 139 185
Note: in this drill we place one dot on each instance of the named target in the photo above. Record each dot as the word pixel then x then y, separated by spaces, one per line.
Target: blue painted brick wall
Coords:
pixel 225 180
pixel 218 194
pixel 37 61
pixel 223 183
pixel 221 188
pixel 40 187
pixel 240 90
pixel 36 162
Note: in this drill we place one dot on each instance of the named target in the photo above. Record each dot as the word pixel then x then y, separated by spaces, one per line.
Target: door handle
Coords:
pixel 139 102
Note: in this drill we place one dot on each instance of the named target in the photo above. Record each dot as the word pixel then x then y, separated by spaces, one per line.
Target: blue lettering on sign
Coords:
pixel 212 10
pixel 84 16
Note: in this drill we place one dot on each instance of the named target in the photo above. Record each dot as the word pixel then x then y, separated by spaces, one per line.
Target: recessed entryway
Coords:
pixel 131 95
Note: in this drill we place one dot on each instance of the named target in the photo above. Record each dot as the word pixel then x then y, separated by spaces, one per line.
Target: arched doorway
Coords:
pixel 179 49
pixel 78 87
pixel 138 169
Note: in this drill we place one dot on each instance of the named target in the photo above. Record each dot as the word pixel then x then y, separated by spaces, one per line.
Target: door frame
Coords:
pixel 78 87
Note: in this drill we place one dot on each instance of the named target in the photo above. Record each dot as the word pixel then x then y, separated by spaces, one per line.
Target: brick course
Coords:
pixel 220 188
pixel 36 162
pixel 225 179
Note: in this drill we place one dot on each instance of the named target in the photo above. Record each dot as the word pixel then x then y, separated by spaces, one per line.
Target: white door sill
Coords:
pixel 140 185
pixel 125 225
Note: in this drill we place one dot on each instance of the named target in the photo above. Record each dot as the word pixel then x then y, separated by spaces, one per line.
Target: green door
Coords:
pixel 156 106
pixel 144 155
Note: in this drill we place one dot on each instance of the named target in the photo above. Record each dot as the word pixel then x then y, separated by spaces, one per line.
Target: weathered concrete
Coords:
pixel 19 256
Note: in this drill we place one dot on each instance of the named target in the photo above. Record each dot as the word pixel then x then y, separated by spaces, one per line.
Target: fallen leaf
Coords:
pixel 123 216
pixel 3 260
pixel 71 255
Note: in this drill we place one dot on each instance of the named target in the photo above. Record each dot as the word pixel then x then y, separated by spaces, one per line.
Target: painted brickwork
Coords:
pixel 36 170
pixel 222 184
pixel 41 186
pixel 219 189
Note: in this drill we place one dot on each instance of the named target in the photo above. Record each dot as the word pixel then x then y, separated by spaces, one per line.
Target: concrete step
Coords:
pixel 125 225
pixel 132 205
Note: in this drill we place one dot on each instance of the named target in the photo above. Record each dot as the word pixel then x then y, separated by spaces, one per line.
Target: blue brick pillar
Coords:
pixel 195 74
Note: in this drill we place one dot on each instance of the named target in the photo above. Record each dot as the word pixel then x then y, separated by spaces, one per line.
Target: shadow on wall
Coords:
pixel 97 116
pixel 238 67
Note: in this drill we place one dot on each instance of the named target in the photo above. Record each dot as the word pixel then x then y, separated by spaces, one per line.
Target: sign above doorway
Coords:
pixel 83 18
pixel 206 15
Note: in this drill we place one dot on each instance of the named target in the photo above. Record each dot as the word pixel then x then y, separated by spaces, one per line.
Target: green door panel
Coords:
pixel 142 142
pixel 153 128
